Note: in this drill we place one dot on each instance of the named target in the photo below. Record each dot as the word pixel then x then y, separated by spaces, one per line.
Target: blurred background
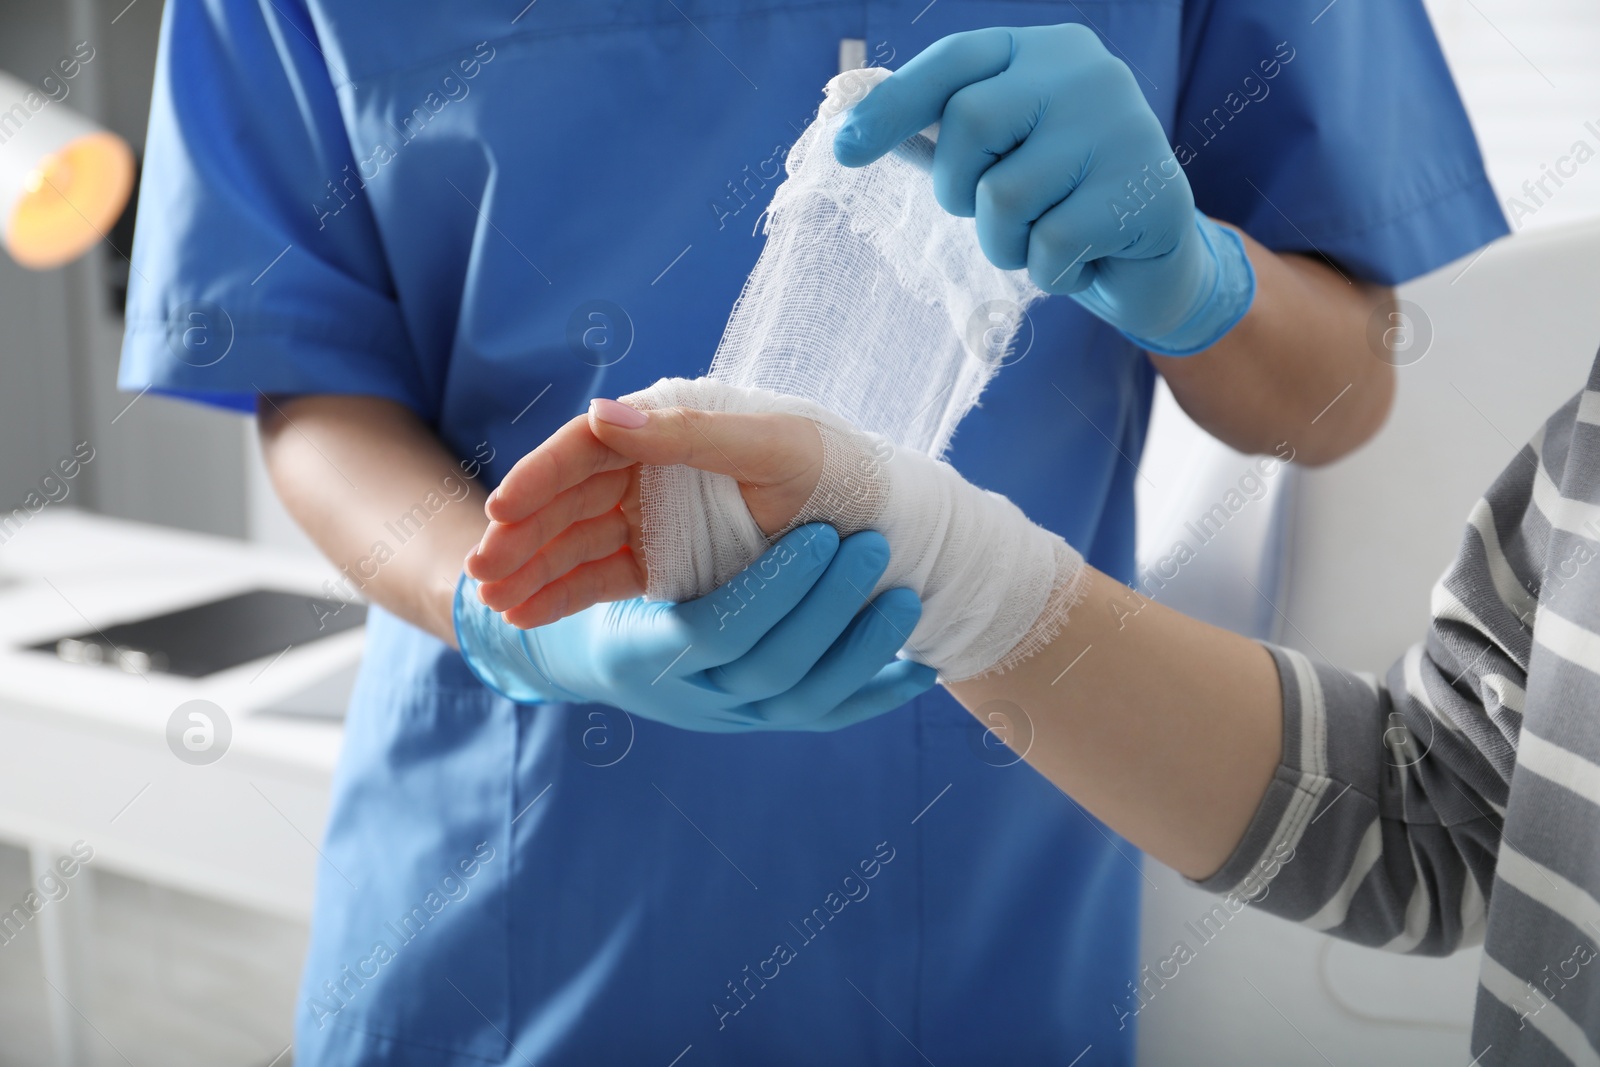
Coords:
pixel 178 939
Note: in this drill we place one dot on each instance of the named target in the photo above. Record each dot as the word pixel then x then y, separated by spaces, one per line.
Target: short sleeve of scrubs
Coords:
pixel 1332 129
pixel 240 283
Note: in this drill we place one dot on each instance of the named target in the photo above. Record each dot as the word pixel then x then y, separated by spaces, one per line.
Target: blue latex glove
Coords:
pixel 786 645
pixel 1045 139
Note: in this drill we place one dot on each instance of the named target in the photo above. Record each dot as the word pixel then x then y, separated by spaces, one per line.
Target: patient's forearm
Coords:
pixel 378 493
pixel 1166 728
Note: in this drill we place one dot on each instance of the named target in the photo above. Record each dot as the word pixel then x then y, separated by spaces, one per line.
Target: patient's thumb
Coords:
pixel 710 441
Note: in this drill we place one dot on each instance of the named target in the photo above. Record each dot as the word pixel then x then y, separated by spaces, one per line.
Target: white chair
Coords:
pixel 1339 562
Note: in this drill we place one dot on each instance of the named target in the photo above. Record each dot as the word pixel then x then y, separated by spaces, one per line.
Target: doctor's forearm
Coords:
pixel 380 495
pixel 1298 368
pixel 1167 729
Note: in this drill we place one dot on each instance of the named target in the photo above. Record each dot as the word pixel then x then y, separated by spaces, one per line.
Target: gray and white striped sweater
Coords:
pixel 1459 800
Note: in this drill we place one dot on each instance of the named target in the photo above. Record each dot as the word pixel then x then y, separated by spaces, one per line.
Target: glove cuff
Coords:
pixel 1228 299
pixel 497 653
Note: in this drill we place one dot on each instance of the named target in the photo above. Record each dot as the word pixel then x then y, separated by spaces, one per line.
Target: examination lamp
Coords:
pixel 63 180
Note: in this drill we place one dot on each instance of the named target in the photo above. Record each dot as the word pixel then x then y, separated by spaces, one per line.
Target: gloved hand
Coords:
pixel 789 644
pixel 1045 139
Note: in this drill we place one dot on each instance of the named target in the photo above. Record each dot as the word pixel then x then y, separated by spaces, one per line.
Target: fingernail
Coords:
pixel 617 414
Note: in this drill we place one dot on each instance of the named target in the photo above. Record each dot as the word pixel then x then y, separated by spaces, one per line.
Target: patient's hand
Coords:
pixel 564 524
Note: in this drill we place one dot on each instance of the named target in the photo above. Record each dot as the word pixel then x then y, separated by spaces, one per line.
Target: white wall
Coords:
pixel 1527 71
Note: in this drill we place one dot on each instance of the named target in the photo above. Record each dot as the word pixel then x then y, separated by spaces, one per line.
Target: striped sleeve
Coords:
pixel 1384 819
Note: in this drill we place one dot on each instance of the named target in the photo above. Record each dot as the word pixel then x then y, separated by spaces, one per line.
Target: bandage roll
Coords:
pixel 873 312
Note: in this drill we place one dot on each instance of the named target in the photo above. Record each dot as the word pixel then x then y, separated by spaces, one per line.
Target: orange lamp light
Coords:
pixel 63 180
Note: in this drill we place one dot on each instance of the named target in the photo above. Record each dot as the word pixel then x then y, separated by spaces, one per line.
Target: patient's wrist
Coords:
pixel 995 587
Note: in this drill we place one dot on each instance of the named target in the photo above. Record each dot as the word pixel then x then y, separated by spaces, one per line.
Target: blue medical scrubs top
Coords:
pixel 490 213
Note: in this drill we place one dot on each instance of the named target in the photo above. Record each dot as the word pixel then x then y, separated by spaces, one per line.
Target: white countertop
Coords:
pixel 83 749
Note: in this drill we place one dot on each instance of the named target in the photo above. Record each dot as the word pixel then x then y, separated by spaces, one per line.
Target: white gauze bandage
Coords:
pixel 877 308
pixel 868 297
pixel 995 587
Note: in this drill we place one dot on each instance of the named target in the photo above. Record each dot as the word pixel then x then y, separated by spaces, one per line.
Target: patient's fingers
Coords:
pixel 763 449
pixel 506 546
pixel 617 577
pixel 564 460
pixel 583 542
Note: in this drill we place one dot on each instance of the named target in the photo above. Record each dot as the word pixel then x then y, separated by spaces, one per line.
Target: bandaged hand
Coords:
pixel 676 489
